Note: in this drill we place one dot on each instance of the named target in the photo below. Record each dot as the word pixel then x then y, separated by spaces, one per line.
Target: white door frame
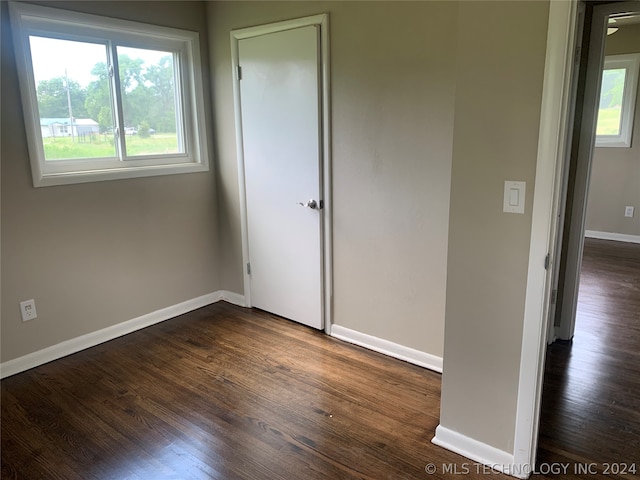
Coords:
pixel 322 22
pixel 562 179
pixel 552 143
pixel 556 117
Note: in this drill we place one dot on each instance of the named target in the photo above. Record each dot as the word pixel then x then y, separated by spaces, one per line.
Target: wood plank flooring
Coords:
pixel 591 396
pixel 222 393
pixel 230 393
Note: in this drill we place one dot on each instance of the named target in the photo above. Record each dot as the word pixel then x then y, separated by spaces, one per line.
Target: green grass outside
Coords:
pixel 609 121
pixel 64 148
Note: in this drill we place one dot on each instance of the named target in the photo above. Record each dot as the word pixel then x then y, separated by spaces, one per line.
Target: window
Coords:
pixel 617 101
pixel 106 98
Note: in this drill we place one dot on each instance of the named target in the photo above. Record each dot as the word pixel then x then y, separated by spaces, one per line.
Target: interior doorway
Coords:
pixel 589 399
pixel 589 154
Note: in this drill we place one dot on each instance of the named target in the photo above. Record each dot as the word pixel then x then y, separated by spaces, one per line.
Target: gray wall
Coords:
pixel 97 254
pixel 615 172
pixel 392 91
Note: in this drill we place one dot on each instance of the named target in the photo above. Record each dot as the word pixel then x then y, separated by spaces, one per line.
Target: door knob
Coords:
pixel 312 204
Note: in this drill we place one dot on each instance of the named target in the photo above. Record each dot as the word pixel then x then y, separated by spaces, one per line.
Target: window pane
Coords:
pixel 610 110
pixel 74 98
pixel 147 82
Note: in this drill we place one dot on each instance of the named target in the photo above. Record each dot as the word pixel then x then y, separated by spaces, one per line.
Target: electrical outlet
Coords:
pixel 628 211
pixel 28 310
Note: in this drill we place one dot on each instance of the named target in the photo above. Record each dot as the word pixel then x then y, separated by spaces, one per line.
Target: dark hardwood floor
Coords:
pixel 229 393
pixel 222 393
pixel 591 396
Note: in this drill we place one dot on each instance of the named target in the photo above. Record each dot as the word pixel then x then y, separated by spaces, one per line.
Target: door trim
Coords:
pixel 552 141
pixel 322 22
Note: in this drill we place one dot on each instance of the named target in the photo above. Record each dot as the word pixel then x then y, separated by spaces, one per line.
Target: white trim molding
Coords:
pixel 422 359
pixel 92 339
pixel 552 141
pixel 617 237
pixel 495 458
pixel 233 298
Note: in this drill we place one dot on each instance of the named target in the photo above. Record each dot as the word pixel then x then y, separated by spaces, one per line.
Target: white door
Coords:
pixel 280 107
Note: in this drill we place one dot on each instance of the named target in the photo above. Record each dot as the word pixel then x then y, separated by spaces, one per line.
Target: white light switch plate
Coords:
pixel 514 194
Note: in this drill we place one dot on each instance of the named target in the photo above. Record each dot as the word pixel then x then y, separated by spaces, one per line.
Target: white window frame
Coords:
pixel 27 19
pixel 631 63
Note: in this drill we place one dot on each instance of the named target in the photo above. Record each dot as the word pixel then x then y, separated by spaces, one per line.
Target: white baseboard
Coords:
pixel 480 452
pixel 234 298
pixel 618 237
pixel 92 339
pixel 426 360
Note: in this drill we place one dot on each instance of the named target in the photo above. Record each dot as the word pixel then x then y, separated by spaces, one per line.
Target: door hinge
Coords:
pixel 248 269
pixel 547 261
pixel 554 296
pixel 576 60
pixel 239 72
